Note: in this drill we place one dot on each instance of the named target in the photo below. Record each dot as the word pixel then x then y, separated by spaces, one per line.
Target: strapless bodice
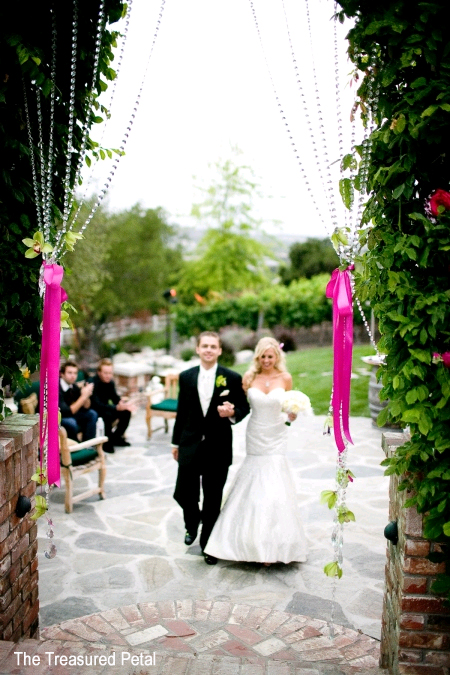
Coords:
pixel 266 429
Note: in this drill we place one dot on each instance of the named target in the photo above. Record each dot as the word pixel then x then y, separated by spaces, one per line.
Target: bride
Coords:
pixel 260 521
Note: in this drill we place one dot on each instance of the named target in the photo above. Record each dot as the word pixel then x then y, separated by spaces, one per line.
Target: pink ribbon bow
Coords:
pixel 340 290
pixel 49 372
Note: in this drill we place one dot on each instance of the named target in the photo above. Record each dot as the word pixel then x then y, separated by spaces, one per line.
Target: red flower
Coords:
pixel 439 198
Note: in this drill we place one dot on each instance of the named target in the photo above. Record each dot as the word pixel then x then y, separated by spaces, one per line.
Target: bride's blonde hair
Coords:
pixel 255 368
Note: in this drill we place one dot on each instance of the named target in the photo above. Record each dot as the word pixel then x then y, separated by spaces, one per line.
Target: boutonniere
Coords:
pixel 221 381
pixel 225 392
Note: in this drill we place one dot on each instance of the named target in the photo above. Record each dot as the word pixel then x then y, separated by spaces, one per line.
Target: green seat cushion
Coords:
pixel 83 456
pixel 168 405
pixel 29 388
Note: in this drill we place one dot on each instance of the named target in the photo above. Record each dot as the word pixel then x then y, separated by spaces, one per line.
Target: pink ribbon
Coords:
pixel 49 372
pixel 340 290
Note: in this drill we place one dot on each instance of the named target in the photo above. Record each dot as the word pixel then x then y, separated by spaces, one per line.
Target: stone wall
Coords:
pixel 19 604
pixel 415 637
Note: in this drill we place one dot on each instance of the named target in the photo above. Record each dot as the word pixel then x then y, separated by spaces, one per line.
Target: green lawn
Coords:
pixel 311 373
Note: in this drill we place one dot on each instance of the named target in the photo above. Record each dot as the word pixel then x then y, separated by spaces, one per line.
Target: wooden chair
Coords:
pixel 80 458
pixel 166 408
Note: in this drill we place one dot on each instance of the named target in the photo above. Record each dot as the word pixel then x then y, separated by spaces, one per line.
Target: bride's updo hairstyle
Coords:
pixel 255 368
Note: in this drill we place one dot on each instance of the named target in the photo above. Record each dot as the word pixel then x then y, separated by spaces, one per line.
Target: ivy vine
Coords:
pixel 402 50
pixel 25 55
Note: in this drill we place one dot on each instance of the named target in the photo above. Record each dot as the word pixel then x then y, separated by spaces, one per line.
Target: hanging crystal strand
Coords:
pixel 364 318
pixel 109 106
pixel 285 122
pixel 337 91
pixel 328 191
pixel 50 550
pixel 43 165
pixel 73 68
pixel 37 197
pixel 127 132
pixel 49 170
pixel 373 96
pixel 330 183
pixel 89 101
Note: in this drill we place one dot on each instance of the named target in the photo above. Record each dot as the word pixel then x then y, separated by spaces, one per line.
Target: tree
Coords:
pixel 25 57
pixel 122 268
pixel 309 258
pixel 229 258
pixel 143 259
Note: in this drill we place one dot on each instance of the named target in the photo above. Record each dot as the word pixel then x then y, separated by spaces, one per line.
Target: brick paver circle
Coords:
pixel 192 637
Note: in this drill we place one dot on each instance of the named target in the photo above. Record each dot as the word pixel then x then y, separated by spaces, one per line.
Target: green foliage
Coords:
pixel 308 259
pixel 303 303
pixel 405 273
pixel 25 55
pixel 134 343
pixel 121 269
pixel 228 259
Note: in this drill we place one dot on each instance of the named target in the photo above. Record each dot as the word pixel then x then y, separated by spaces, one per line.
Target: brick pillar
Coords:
pixel 415 636
pixel 19 604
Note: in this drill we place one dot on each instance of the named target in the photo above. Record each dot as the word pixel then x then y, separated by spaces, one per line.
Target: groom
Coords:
pixel 210 400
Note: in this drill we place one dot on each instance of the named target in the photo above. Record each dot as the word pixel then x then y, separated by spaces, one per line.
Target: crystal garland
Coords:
pixel 284 119
pixel 327 185
pixel 124 140
pixel 43 194
pixel 343 474
pixel 89 103
pixel 347 253
pixel 108 106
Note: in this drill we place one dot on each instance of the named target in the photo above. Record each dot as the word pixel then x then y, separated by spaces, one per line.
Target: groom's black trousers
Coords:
pixel 201 471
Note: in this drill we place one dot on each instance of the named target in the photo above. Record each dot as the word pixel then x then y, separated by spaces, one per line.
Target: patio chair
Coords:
pixel 167 408
pixel 78 459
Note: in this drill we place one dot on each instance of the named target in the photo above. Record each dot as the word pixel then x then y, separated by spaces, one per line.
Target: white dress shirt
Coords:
pixel 205 385
pixel 64 385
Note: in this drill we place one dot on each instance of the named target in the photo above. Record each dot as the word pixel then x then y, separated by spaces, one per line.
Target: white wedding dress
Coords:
pixel 260 521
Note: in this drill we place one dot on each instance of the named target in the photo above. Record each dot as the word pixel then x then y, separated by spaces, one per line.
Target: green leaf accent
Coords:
pixel 349 162
pixel 421 355
pixel 420 82
pixel 333 570
pixel 383 417
pixel 398 191
pixel 429 111
pixel 346 191
pixel 41 507
pixel 328 497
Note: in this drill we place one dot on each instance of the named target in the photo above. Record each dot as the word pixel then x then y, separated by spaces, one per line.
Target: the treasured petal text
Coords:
pixel 119 658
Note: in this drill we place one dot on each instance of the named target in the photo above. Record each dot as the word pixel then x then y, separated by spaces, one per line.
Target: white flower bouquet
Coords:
pixel 296 402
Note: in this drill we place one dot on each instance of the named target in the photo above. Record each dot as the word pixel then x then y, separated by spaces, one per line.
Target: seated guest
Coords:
pixel 75 404
pixel 108 404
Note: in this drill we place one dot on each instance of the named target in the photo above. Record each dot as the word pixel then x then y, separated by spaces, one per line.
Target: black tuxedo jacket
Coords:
pixel 66 398
pixel 191 426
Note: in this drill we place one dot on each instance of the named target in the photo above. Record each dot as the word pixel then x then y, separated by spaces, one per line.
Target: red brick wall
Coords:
pixel 415 638
pixel 19 604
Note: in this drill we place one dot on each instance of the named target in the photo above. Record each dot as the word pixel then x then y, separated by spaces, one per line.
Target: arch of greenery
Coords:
pixel 405 274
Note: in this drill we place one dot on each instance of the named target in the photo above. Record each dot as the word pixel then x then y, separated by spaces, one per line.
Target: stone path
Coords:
pixel 194 637
pixel 127 552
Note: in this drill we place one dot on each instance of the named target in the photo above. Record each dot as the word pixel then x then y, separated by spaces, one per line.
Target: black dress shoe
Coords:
pixel 189 538
pixel 121 443
pixel 210 559
pixel 108 449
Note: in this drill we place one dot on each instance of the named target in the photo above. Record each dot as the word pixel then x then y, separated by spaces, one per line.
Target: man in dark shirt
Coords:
pixel 75 404
pixel 108 404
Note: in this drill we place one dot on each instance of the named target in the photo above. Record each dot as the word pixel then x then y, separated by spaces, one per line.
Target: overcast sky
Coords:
pixel 208 89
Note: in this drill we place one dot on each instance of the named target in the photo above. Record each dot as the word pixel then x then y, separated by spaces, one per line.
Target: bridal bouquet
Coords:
pixel 295 402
